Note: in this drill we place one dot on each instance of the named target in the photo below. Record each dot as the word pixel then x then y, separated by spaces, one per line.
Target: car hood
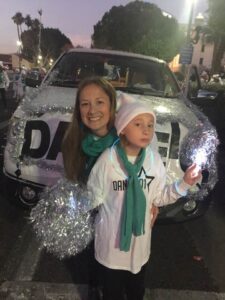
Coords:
pixel 59 98
pixel 169 109
pixel 44 99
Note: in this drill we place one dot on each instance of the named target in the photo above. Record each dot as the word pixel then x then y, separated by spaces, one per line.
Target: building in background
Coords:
pixel 15 61
pixel 203 50
pixel 18 62
pixel 6 60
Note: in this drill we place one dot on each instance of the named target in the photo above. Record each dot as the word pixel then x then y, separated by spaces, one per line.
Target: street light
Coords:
pixel 50 62
pixel 166 14
pixel 19 45
pixel 39 59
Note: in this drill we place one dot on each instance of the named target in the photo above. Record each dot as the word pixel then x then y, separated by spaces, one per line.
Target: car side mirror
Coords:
pixel 202 93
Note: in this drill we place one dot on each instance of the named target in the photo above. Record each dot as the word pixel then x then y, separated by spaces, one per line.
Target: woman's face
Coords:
pixel 95 109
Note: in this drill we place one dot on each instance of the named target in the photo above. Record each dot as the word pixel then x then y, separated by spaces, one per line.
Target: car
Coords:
pixel 34 77
pixel 33 158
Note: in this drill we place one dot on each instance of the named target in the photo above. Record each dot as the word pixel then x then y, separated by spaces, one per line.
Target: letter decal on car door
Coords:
pixel 43 128
pixel 175 140
pixel 57 141
pixel 43 141
pixel 168 141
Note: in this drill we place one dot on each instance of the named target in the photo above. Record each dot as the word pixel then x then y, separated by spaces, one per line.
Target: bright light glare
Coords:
pixel 185 13
pixel 199 157
pixel 165 14
pixel 72 201
pixel 162 109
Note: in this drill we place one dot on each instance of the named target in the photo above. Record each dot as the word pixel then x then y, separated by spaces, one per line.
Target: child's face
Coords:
pixel 138 133
pixel 95 109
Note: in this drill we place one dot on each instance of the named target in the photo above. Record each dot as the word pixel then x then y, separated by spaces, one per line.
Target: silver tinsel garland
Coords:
pixel 62 219
pixel 201 141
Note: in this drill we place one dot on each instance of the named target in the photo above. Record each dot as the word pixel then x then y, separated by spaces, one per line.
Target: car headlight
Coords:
pixel 190 206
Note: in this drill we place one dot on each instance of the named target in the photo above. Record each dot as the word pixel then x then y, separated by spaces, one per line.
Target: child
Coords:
pixel 127 180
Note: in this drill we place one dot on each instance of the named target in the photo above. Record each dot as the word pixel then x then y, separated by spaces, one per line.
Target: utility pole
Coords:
pixel 39 38
pixel 190 22
pixel 187 51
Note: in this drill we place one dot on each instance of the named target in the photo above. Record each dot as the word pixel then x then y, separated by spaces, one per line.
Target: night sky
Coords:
pixel 76 18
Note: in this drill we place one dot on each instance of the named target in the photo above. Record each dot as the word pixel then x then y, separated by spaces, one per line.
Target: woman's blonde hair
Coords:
pixel 73 157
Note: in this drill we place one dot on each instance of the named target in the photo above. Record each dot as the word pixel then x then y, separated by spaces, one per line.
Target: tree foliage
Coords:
pixel 52 41
pixel 138 27
pixel 216 23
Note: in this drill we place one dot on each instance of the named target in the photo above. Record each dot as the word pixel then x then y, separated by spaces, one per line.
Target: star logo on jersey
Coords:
pixel 144 179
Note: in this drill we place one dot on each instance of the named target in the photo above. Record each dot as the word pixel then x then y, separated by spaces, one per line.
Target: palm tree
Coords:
pixel 28 21
pixel 35 24
pixel 18 19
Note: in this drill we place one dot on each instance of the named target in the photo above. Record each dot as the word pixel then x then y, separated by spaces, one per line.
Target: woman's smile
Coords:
pixel 95 109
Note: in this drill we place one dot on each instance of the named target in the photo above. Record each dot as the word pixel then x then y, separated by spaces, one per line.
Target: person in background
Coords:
pixel 205 76
pixel 90 132
pixel 18 85
pixel 128 178
pixel 4 84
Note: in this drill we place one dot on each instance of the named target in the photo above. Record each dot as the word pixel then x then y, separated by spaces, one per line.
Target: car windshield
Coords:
pixel 128 74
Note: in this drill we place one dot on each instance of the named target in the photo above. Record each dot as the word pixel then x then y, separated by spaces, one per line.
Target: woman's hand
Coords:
pixel 193 174
pixel 154 213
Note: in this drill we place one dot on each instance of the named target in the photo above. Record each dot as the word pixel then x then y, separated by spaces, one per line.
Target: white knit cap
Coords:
pixel 128 112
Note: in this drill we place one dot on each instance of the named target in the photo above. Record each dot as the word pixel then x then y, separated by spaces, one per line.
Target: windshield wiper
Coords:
pixel 63 82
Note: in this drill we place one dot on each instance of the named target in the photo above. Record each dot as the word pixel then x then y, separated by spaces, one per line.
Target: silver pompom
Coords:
pixel 200 147
pixel 62 219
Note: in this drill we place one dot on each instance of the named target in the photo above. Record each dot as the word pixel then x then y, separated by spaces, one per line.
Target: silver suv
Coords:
pixel 33 157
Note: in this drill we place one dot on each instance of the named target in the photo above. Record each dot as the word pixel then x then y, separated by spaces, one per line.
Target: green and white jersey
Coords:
pixel 106 185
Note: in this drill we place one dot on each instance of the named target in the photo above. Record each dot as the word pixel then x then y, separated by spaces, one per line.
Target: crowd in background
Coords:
pixel 15 81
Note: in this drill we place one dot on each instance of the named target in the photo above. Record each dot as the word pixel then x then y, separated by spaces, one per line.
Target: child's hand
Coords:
pixel 192 175
pixel 153 213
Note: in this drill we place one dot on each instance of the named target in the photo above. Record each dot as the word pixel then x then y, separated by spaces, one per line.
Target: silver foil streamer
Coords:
pixel 62 219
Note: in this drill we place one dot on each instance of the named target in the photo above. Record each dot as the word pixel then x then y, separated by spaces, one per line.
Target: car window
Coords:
pixel 134 75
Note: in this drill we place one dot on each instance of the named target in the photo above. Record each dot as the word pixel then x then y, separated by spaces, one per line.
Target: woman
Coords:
pixel 91 130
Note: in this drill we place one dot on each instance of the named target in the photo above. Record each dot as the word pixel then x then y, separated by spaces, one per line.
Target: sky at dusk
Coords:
pixel 76 18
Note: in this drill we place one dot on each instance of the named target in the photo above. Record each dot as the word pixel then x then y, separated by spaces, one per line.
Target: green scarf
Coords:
pixel 134 205
pixel 93 147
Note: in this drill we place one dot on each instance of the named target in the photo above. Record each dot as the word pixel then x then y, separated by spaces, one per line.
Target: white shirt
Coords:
pixel 106 186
